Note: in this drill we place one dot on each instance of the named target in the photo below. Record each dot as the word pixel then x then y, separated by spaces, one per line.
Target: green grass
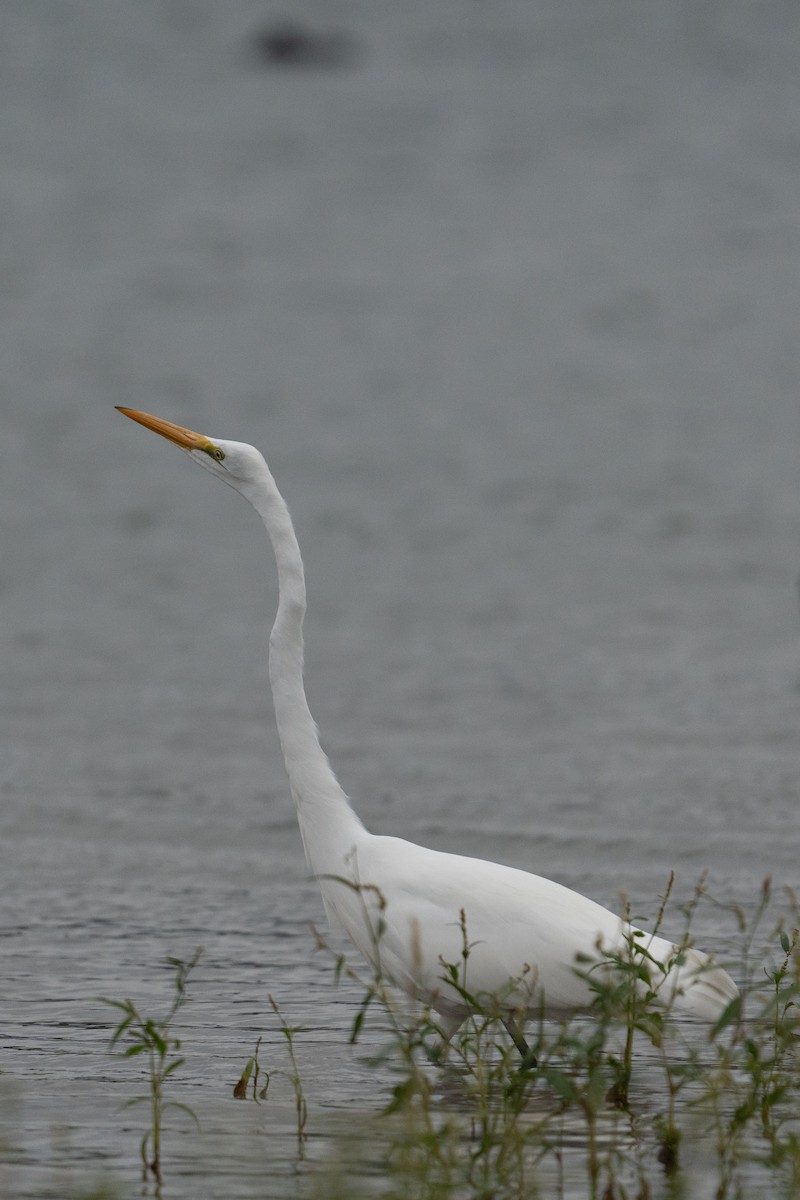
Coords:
pixel 621 1093
pixel 154 1038
pixel 626 1102
pixel 254 1073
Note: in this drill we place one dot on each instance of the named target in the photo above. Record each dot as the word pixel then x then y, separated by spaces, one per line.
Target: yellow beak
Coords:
pixel 185 438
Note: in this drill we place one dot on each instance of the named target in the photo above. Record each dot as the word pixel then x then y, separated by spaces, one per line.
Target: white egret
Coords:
pixel 402 904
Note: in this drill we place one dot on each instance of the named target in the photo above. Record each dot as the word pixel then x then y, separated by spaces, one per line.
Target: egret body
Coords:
pixel 401 903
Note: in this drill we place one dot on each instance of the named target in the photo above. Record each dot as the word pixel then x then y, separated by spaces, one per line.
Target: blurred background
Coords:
pixel 508 295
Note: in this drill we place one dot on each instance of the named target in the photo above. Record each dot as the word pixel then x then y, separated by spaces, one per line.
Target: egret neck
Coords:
pixel 330 829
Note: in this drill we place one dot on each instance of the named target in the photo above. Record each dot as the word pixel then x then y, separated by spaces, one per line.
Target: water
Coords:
pixel 508 296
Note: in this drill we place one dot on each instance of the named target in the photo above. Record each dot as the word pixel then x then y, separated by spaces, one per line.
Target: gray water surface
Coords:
pixel 508 296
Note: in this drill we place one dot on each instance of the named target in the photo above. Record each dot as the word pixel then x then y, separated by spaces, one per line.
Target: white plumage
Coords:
pixel 403 903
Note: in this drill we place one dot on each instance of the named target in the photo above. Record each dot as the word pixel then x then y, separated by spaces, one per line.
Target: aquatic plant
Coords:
pixel 254 1071
pixel 479 1123
pixel 627 1102
pixel 154 1038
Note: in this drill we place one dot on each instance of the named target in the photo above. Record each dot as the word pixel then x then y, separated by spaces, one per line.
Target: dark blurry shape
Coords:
pixel 288 44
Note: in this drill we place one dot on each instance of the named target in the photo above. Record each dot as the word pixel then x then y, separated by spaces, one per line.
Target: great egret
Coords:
pixel 405 907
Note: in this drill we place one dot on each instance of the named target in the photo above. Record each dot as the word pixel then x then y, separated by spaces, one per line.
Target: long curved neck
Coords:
pixel 329 827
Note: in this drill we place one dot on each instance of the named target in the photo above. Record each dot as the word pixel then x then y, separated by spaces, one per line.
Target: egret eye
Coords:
pixel 215 452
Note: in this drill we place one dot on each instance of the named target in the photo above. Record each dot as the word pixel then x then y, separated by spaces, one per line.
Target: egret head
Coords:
pixel 234 462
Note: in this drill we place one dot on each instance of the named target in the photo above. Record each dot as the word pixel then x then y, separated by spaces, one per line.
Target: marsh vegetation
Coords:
pixel 628 1100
